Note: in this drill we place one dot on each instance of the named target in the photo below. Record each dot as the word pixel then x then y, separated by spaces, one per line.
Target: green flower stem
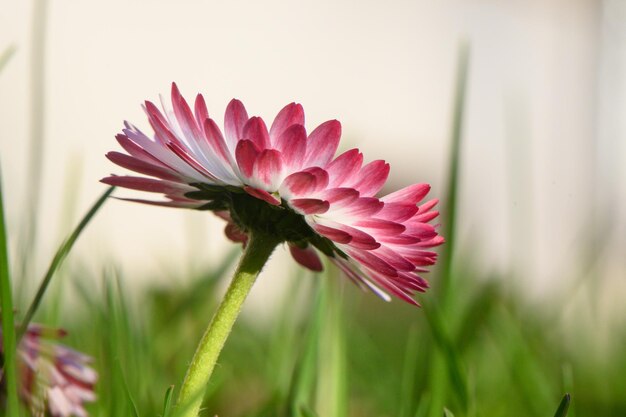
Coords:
pixel 256 254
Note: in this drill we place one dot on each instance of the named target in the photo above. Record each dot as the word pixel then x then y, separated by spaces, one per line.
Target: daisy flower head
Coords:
pixel 284 182
pixel 55 380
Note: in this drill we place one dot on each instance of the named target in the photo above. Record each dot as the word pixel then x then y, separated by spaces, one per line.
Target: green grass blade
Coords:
pixel 450 200
pixel 60 255
pixel 563 406
pixel 8 323
pixel 450 354
pixel 331 390
pixel 168 402
pixel 6 56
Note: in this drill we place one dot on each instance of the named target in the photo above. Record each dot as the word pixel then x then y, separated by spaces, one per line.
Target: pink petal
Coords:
pixel 412 194
pixel 256 131
pixel 291 114
pixel 388 285
pixel 234 121
pixel 292 144
pixel 397 212
pixel 309 205
pixel 246 153
pixel 364 207
pixel 373 262
pixel 262 195
pixel 322 144
pixel 340 197
pixel 360 239
pixel 394 259
pixel 382 227
pixel 182 154
pixel 435 241
pixel 426 217
pixel 234 233
pixel 148 184
pixel 200 110
pixel 305 182
pixel 371 178
pixel 306 257
pixel 138 165
pixel 160 125
pixel 344 167
pixel 331 233
pixel 268 168
pixel 173 203
pixel 421 230
pixel 216 141
pixel 299 183
pixel 402 239
pixel 428 205
pixel 183 114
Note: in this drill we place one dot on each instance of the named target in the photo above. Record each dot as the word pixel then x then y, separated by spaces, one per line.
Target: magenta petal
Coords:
pixel 412 194
pixel 364 207
pixel 322 144
pixel 426 217
pixel 190 160
pixel 309 205
pixel 380 226
pixel 292 144
pixel 402 239
pixel 340 197
pixel 397 212
pixel 421 230
pixel 291 114
pixel 333 234
pixel 256 131
pixel 174 203
pixel 344 167
pixel 262 195
pixel 216 141
pixel 246 153
pixel 138 165
pixel 299 183
pixel 306 257
pixel 268 168
pixel 321 177
pixel 160 125
pixel 371 178
pixel 234 121
pixel 373 262
pixel 200 110
pixel 147 184
pixel 183 114
pixel 427 206
pixel 394 259
pixel 360 239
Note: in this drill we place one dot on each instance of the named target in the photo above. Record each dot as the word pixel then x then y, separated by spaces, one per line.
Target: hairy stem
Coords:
pixel 256 254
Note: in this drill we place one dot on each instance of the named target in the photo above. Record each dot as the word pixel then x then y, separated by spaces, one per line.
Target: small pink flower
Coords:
pixel 52 375
pixel 286 182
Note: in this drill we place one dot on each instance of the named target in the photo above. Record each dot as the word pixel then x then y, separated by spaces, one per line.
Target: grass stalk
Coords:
pixel 8 322
pixel 60 255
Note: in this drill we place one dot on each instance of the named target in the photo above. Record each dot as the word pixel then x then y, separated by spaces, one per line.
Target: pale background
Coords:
pixel 543 154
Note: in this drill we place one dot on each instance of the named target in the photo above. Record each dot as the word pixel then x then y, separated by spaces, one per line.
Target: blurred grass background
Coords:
pixel 489 341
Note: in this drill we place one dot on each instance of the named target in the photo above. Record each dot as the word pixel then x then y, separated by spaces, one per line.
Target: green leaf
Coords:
pixel 563 406
pixel 447 413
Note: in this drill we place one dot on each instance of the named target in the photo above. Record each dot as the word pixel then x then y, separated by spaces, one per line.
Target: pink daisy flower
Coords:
pixel 53 376
pixel 286 182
